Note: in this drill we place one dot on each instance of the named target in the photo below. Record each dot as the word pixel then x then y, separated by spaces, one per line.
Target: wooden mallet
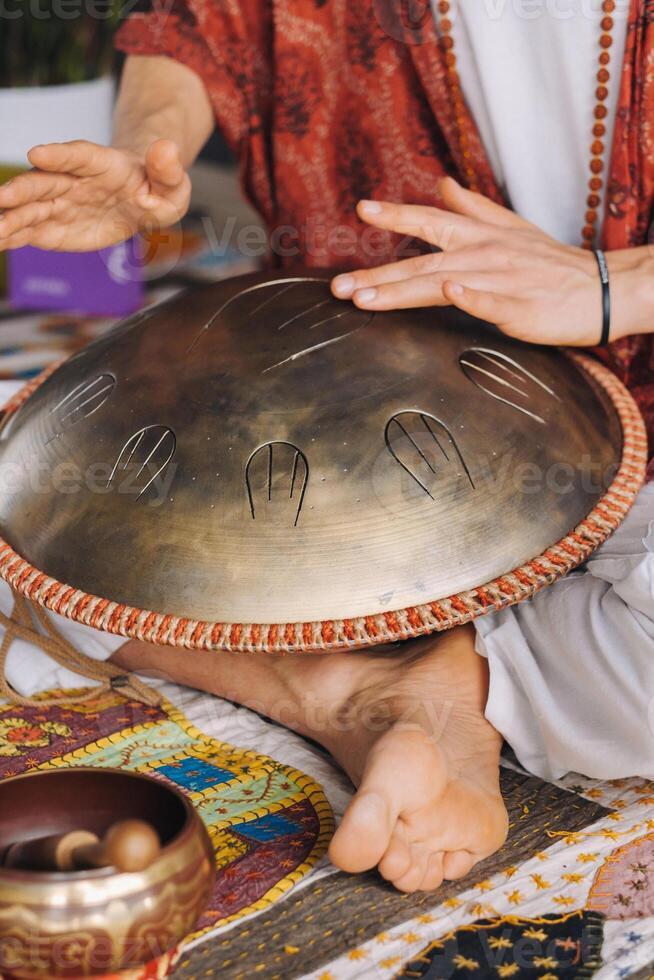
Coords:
pixel 128 846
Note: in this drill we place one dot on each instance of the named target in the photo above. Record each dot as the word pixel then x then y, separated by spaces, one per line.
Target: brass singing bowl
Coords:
pixel 258 451
pixel 91 923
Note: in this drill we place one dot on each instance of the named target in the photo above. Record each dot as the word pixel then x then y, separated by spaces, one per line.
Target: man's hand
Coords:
pixel 80 196
pixel 499 267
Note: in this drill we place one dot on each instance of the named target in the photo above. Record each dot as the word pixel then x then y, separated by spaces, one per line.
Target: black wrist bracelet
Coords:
pixel 606 296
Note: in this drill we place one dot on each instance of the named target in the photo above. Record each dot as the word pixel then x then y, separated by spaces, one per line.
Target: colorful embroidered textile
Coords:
pixel 292 940
pixel 269 823
pixel 624 886
pixel 562 947
pixel 340 927
pixel 326 103
pixel 557 881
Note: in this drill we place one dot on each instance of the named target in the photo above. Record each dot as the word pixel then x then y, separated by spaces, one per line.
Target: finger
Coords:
pixel 27 216
pixel 473 205
pixel 164 166
pixel 33 186
pixel 157 213
pixel 441 228
pixel 51 235
pixel 485 305
pixel 78 157
pixel 170 207
pixel 18 240
pixel 490 257
pixel 344 285
pixel 420 291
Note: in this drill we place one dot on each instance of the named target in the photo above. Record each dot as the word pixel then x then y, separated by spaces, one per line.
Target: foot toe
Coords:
pixel 364 833
pixel 412 879
pixel 397 859
pixel 434 875
pixel 457 864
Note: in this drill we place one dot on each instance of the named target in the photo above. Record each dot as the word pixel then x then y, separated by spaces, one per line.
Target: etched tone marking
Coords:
pixel 316 306
pixel 85 399
pixel 433 435
pixel 336 316
pixel 310 350
pixel 244 292
pixel 296 459
pixel 299 460
pixel 414 443
pixel 503 364
pixel 159 455
pixel 498 358
pixel 410 423
pixel 274 296
pixel 489 374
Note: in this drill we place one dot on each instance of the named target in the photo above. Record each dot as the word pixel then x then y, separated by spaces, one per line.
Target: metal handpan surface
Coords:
pixel 258 451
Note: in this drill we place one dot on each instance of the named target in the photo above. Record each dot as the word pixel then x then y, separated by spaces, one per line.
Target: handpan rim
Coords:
pixel 360 631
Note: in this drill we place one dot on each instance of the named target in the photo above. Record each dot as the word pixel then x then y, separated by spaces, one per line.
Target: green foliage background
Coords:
pixel 55 42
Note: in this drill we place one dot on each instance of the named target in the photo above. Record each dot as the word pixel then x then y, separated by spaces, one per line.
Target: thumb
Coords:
pixel 473 205
pixel 163 166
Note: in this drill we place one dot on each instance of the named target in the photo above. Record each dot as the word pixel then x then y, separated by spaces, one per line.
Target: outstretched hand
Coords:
pixel 499 267
pixel 81 196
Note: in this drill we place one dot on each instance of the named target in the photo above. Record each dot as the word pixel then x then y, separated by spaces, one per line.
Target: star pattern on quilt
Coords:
pixel 623 887
pixel 555 883
pixel 547 948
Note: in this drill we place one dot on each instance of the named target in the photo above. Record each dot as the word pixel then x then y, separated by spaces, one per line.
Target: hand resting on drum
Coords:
pixel 501 268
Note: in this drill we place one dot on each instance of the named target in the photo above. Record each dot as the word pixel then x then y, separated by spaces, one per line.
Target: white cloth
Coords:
pixel 528 70
pixel 572 670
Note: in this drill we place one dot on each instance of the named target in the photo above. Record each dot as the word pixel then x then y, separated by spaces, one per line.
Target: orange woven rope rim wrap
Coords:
pixel 362 631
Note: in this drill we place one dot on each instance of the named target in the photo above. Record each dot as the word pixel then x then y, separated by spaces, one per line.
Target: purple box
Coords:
pixel 104 283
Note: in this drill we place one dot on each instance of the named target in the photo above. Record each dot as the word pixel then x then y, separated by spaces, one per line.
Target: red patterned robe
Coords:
pixel 325 102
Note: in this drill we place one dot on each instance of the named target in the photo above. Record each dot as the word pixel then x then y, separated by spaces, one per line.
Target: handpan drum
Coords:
pixel 257 465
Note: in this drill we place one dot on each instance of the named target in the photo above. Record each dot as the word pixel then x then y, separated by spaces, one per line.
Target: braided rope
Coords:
pixel 362 631
pixel 110 679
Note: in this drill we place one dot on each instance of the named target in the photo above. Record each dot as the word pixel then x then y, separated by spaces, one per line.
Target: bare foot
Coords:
pixel 428 806
pixel 407 725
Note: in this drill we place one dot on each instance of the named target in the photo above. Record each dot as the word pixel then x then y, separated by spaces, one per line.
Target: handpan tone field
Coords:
pixel 259 452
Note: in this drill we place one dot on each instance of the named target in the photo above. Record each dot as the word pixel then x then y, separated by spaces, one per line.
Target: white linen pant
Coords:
pixel 571 670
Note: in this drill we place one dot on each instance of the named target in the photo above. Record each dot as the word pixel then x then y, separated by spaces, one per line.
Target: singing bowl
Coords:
pixel 94 923
pixel 258 465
